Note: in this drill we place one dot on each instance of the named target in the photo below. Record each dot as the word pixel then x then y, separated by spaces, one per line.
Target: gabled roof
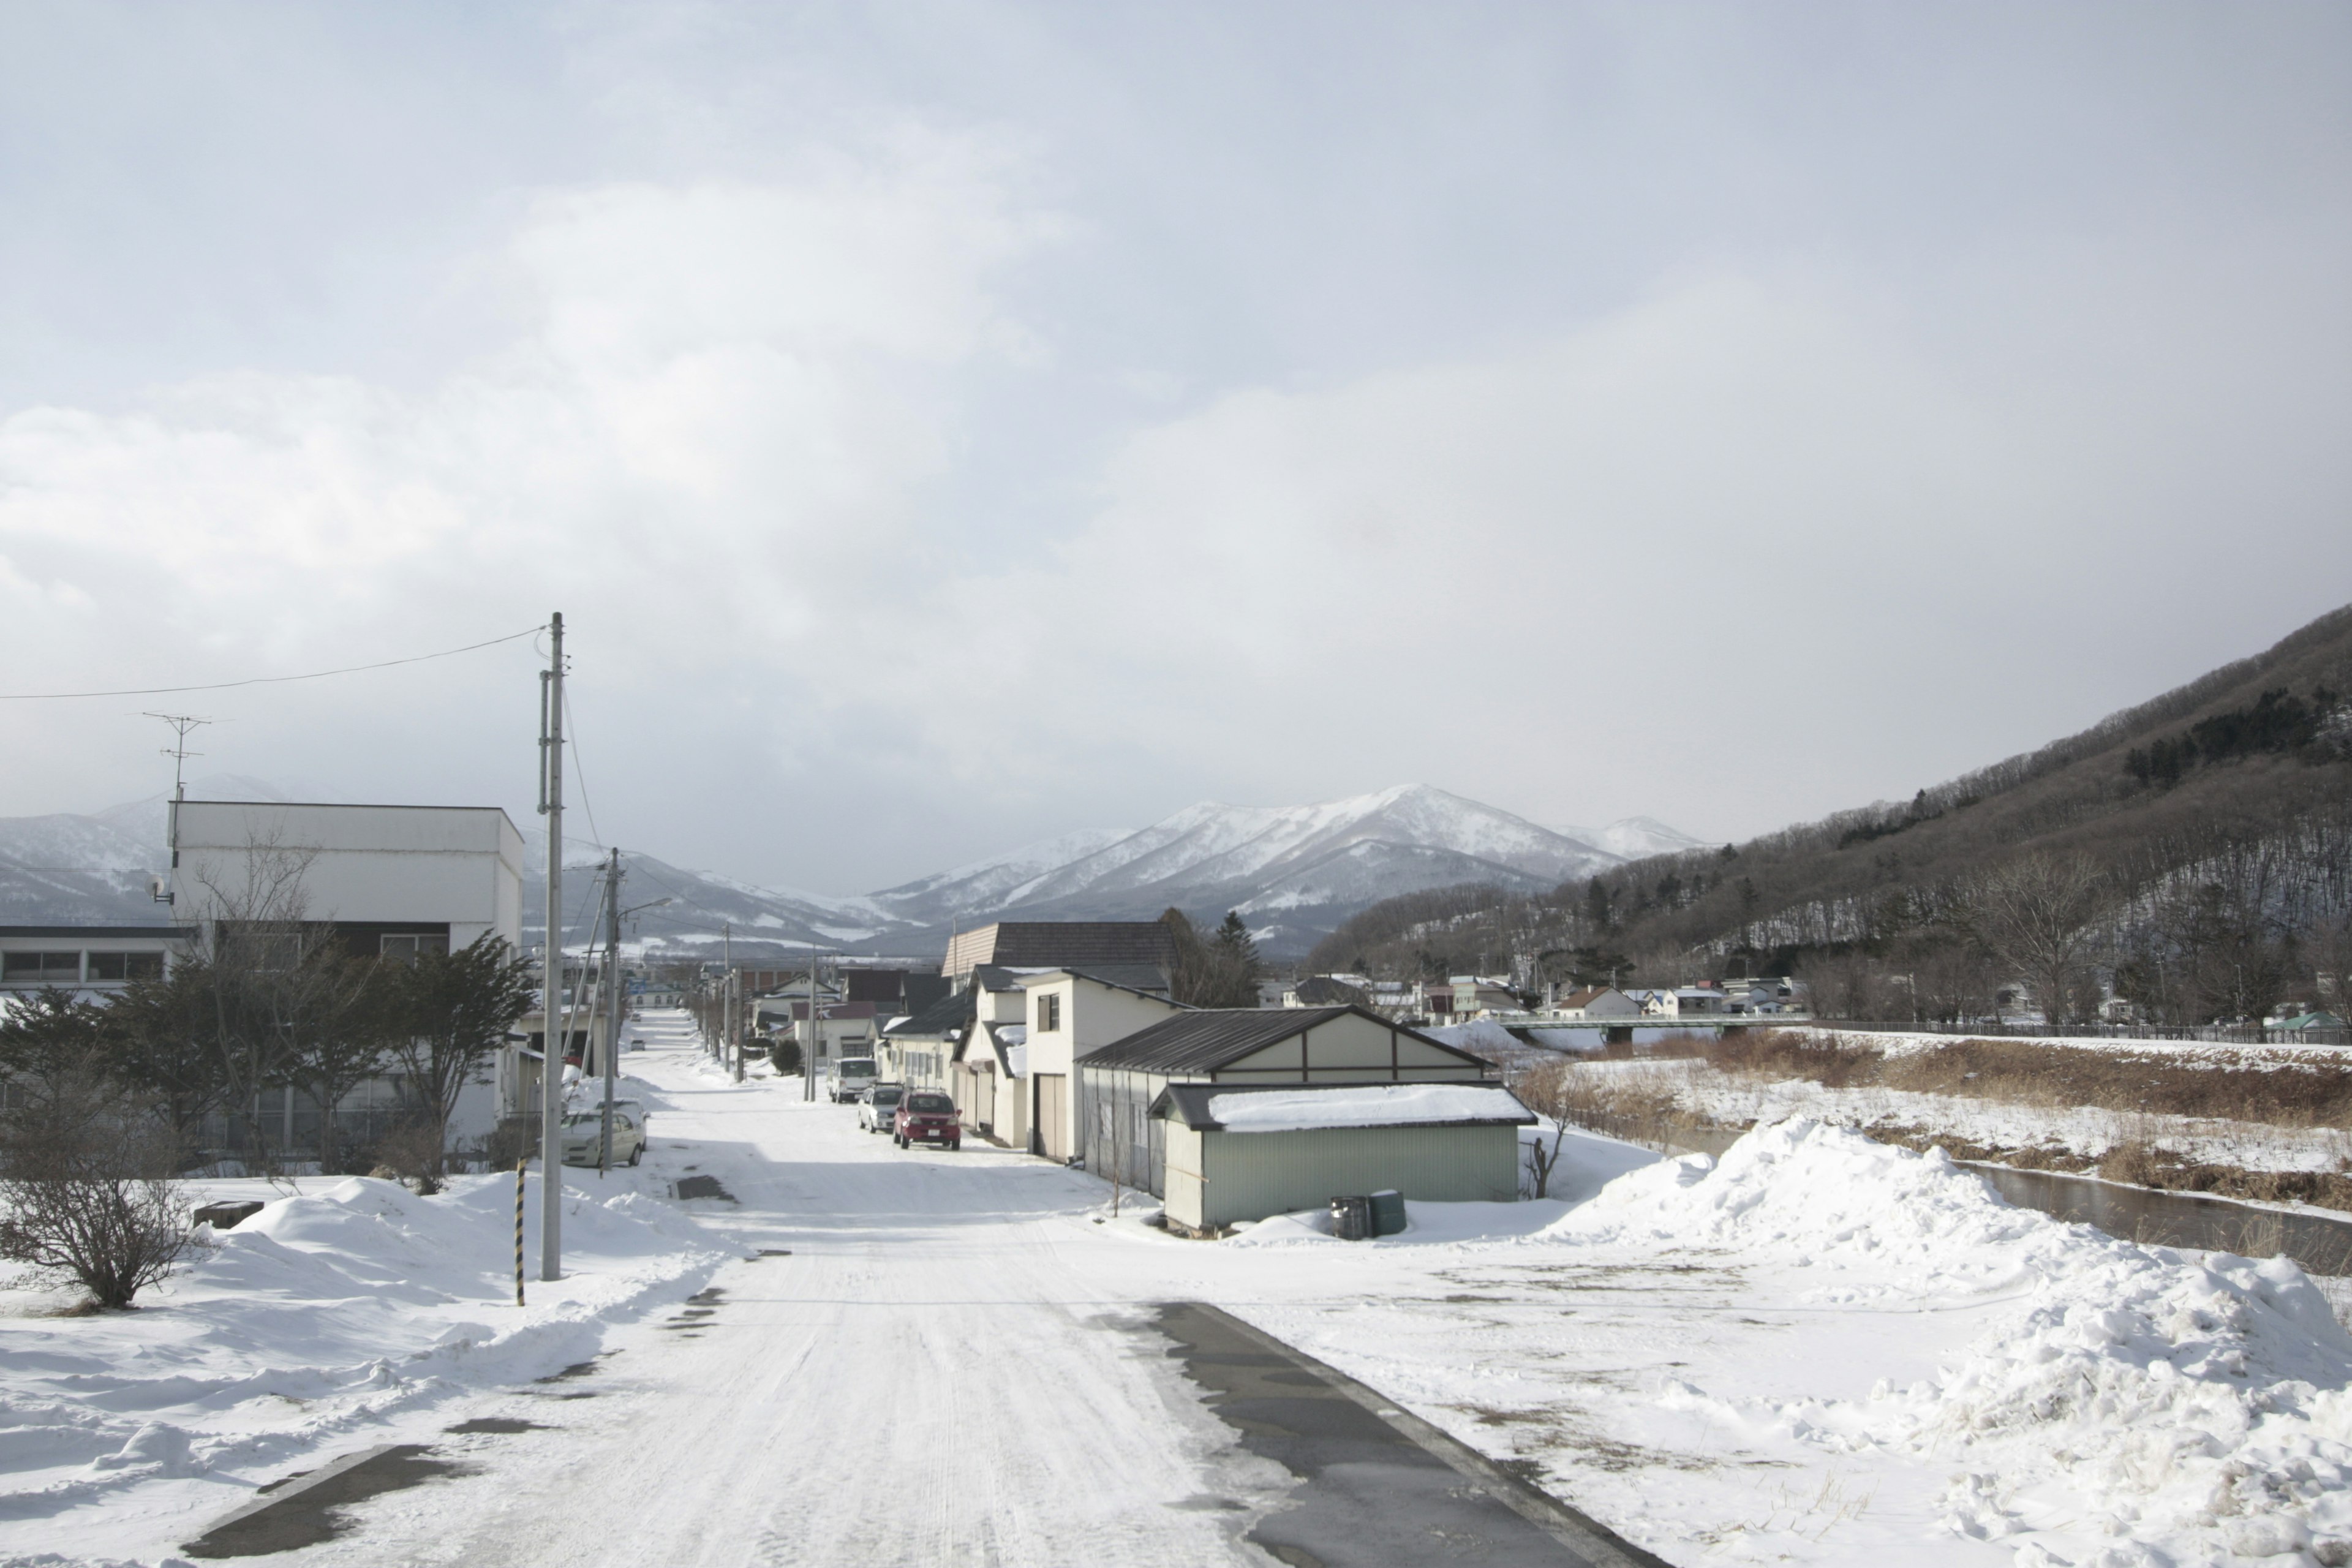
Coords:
pixel 1212 1037
pixel 934 1022
pixel 1134 979
pixel 1323 991
pixel 1081 942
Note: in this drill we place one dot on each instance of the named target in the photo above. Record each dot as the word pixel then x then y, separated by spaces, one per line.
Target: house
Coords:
pixel 1046 945
pixel 1324 991
pixel 1234 1152
pixel 1112 1128
pixel 842 1028
pixel 1597 1002
pixel 1069 1013
pixel 921 1048
pixel 92 962
pixel 389 881
pixel 1474 994
pixel 2309 1025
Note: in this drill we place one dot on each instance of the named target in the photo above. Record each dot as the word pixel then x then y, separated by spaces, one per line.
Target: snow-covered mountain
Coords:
pixel 1294 872
pixel 69 868
pixel 1637 838
pixel 703 905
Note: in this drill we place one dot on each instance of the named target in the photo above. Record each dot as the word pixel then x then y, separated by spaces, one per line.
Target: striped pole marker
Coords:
pixel 519 1164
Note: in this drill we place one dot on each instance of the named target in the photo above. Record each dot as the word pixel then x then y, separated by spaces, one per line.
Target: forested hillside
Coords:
pixel 2193 853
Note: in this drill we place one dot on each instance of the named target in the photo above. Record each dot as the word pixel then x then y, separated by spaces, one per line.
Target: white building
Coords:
pixel 391 881
pixel 91 961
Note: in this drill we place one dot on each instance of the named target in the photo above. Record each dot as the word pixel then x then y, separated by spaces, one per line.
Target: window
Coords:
pixel 407 949
pixel 1049 1012
pixel 40 968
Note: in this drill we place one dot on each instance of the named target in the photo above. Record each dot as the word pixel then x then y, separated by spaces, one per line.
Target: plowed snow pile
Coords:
pixel 343 1311
pixel 2133 1406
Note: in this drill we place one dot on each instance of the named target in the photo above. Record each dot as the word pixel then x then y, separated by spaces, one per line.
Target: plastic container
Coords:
pixel 1388 1213
pixel 1351 1218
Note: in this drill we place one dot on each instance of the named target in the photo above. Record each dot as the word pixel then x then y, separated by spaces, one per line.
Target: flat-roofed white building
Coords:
pixel 409 875
pixel 393 881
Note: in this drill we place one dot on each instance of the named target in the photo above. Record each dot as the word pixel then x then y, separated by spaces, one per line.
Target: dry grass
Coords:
pixel 2315 1091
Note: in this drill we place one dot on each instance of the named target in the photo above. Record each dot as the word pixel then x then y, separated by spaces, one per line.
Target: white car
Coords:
pixel 584 1134
pixel 878 1106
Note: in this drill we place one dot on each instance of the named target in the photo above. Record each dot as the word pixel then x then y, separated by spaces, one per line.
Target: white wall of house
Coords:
pixel 1090 1014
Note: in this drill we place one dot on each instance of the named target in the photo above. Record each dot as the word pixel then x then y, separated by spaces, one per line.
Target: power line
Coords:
pixel 580 771
pixel 264 680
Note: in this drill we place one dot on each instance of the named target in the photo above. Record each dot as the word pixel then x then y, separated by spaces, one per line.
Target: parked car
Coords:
pixel 849 1077
pixel 927 1116
pixel 584 1135
pixel 878 1110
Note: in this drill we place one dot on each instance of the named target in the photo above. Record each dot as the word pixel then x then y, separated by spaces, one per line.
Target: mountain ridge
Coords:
pixel 1293 871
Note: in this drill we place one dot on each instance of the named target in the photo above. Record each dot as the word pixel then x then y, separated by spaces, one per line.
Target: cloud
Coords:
pixel 704 436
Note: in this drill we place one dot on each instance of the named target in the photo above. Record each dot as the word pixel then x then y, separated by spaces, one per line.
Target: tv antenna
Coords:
pixel 182 724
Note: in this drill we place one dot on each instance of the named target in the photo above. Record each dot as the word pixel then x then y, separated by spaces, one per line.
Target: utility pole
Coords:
pixel 726 995
pixel 550 1066
pixel 612 1001
pixel 808 1047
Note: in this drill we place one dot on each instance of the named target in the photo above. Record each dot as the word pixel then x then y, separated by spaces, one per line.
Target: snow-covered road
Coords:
pixel 926 1378
pixel 1819 1351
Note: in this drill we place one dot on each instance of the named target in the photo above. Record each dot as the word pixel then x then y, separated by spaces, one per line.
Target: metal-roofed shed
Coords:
pixel 1234 1152
pixel 1117 1135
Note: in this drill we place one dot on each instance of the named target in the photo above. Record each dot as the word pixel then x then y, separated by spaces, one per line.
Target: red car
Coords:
pixel 927 1116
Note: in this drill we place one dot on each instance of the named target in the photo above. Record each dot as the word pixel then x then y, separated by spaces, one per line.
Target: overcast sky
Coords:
pixel 948 424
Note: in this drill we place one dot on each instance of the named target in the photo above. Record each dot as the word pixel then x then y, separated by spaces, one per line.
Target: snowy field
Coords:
pixel 1820 1350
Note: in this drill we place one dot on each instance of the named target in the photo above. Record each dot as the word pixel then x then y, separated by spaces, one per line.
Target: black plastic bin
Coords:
pixel 1388 1213
pixel 1351 1218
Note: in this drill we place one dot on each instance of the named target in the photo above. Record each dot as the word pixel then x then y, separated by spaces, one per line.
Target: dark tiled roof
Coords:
pixel 1082 943
pixel 1208 1040
pixel 922 991
pixel 951 1012
pixel 1322 991
pixel 1143 979
pixel 874 984
pixel 1189 1103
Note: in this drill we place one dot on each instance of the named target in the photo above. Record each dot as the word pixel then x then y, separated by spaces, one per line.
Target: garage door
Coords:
pixel 1052 1115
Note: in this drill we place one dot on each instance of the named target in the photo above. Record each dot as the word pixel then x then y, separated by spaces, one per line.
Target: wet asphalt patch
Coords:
pixel 306 1509
pixel 495 1427
pixel 1377 1486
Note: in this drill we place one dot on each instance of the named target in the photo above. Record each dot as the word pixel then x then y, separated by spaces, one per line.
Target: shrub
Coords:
pixel 87 1188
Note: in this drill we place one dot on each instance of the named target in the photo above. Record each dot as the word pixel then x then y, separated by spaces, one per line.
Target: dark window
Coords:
pixel 1049 1012
pixel 407 949
pixel 41 968
pixel 108 965
pixel 143 966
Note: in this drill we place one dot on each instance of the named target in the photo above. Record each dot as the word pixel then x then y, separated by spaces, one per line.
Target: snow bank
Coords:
pixel 1479 1037
pixel 325 1314
pixel 2133 1407
pixel 1363 1105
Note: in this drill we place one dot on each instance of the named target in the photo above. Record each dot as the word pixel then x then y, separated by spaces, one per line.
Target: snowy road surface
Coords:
pixel 1819 1351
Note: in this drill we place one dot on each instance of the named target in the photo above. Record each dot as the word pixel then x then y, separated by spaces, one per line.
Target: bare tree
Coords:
pixel 86 1185
pixel 1546 1090
pixel 2035 914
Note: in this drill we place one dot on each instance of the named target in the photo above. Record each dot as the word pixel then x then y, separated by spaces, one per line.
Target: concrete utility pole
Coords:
pixel 808 1047
pixel 727 994
pixel 551 1074
pixel 612 1001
